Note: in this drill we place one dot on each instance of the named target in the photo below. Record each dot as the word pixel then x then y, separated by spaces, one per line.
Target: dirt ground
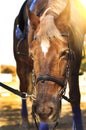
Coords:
pixel 10 115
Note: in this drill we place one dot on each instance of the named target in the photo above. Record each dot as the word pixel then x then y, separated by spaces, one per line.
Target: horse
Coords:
pixel 49 46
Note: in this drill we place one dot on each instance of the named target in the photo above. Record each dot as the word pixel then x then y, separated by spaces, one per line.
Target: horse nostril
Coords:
pixel 45 112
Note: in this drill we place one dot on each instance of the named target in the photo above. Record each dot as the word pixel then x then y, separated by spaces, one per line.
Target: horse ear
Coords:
pixel 64 17
pixel 34 20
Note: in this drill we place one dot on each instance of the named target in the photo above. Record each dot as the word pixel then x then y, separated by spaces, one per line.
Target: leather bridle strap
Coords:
pixel 46 77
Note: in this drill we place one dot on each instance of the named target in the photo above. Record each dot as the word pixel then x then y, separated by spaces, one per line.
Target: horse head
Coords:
pixel 49 47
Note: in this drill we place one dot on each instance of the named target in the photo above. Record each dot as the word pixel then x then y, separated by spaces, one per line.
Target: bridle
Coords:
pixel 60 82
pixel 47 77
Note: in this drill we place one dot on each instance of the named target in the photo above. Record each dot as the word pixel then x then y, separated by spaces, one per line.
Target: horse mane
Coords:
pixel 22 18
pixel 77 28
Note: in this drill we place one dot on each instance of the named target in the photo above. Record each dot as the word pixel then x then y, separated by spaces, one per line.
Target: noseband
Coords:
pixel 47 77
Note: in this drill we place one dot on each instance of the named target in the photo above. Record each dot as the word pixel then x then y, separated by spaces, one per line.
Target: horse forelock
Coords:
pixel 48 28
pixel 47 31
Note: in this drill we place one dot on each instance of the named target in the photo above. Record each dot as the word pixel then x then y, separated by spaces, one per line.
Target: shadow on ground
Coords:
pixel 10 119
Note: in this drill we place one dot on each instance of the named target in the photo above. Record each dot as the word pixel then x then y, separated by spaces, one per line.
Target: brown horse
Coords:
pixel 53 49
pixel 24 63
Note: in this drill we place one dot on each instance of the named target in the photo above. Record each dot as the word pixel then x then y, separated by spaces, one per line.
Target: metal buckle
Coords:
pixel 24 95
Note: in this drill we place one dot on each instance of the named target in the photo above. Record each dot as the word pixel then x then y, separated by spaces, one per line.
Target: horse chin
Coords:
pixel 45 120
pixel 51 119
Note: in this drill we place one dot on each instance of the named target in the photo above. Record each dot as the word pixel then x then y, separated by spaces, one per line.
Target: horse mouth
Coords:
pixel 51 117
pixel 43 118
pixel 46 117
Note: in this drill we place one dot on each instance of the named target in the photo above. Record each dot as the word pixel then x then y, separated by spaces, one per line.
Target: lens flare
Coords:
pixel 81 7
pixel 83 2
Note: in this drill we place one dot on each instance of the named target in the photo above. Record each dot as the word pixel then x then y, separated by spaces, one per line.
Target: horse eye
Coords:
pixel 64 53
pixel 65 34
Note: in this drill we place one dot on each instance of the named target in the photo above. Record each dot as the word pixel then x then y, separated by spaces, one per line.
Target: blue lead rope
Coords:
pixel 43 126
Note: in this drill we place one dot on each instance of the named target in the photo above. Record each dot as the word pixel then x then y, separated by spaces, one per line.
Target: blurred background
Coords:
pixel 9 9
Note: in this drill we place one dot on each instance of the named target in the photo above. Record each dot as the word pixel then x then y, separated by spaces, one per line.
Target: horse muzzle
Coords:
pixel 47 111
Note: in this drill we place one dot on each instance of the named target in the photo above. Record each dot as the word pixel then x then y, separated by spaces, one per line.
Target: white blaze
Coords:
pixel 45 46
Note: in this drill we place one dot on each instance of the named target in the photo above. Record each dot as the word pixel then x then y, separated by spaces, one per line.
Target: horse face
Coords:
pixel 49 50
pixel 50 58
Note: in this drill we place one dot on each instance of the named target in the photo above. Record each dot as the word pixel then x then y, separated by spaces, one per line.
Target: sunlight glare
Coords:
pixel 83 2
